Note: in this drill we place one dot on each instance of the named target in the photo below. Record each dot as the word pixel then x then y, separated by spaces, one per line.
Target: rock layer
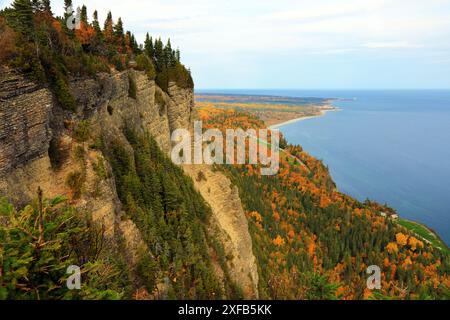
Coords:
pixel 32 122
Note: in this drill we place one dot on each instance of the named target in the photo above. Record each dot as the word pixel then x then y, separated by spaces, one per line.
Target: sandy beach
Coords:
pixel 321 114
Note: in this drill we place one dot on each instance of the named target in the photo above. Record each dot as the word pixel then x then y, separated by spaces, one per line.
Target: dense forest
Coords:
pixel 312 242
pixel 38 243
pixel 45 48
pixel 172 218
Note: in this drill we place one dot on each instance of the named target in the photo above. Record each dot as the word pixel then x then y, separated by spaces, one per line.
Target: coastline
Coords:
pixel 321 114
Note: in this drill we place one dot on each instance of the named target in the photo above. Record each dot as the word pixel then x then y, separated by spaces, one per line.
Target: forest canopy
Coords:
pixel 53 49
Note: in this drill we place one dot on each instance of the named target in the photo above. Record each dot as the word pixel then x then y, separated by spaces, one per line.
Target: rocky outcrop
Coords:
pixel 33 127
pixel 25 112
pixel 230 221
pixel 30 119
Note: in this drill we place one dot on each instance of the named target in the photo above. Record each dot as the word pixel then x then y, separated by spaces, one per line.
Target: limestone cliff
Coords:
pixel 38 149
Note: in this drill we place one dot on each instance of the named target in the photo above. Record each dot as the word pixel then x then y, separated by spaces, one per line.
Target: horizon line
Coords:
pixel 327 89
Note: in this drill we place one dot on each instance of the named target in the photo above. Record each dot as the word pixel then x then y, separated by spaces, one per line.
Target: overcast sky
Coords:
pixel 297 43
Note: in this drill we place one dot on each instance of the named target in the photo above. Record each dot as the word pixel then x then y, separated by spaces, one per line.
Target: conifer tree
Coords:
pixel 83 15
pixel 118 28
pixel 95 23
pixel 168 53
pixel 23 16
pixel 159 54
pixel 108 27
pixel 148 46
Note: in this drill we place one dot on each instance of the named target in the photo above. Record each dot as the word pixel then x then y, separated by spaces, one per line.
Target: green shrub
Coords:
pixel 80 154
pixel 64 95
pixel 118 63
pixel 100 169
pixel 81 133
pixel 34 261
pixel 75 181
pixel 144 63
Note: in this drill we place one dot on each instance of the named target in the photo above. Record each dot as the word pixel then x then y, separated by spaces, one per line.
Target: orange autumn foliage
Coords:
pixel 415 243
pixel 85 34
pixel 401 239
pixel 392 247
pixel 278 241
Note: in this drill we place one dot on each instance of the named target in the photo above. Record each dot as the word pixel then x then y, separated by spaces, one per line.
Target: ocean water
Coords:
pixel 389 146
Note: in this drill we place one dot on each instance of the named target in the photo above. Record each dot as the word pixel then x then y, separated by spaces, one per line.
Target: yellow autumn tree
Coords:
pixel 278 241
pixel 392 247
pixel 415 243
pixel 401 239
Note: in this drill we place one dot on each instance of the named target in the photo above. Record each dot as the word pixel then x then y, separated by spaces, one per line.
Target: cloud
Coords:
pixel 215 36
pixel 391 45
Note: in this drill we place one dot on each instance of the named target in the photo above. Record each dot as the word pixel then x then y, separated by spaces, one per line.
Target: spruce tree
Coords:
pixel 148 46
pixel 118 28
pixel 23 16
pixel 108 28
pixel 96 24
pixel 168 53
pixel 159 54
pixel 83 15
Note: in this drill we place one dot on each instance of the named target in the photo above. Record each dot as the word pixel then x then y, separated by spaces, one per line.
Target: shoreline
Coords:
pixel 321 114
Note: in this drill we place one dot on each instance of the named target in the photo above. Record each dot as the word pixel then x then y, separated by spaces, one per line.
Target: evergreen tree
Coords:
pixel 168 54
pixel 96 24
pixel 22 14
pixel 83 15
pixel 108 27
pixel 118 28
pixel 148 46
pixel 159 54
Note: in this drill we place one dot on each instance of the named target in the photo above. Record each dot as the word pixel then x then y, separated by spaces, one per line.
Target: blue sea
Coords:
pixel 386 145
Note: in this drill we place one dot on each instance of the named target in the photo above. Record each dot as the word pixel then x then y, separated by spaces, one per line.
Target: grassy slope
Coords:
pixel 424 233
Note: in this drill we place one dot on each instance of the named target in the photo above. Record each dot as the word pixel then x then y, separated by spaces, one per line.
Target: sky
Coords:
pixel 297 44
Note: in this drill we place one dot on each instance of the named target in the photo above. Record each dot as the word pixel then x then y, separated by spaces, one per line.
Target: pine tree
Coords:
pixel 95 23
pixel 148 46
pixel 108 28
pixel 118 28
pixel 23 16
pixel 134 44
pixel 83 15
pixel 159 54
pixel 168 53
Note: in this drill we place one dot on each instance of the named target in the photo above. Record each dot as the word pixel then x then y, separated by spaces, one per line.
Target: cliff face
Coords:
pixel 30 120
pixel 229 225
pixel 36 133
pixel 24 121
